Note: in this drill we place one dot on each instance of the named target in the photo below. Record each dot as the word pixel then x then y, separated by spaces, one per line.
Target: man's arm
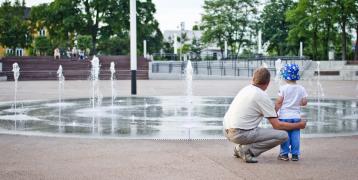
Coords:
pixel 276 124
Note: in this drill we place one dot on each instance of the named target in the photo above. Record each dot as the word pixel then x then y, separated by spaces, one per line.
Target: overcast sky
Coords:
pixel 169 12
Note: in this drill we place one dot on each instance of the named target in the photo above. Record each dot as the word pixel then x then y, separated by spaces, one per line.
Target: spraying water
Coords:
pixel 320 92
pixel 145 111
pixel 113 71
pixel 61 83
pixel 278 66
pixel 96 95
pixel 16 71
pixel 189 92
pixel 264 65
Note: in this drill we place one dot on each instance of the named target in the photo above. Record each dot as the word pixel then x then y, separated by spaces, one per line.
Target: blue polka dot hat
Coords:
pixel 290 72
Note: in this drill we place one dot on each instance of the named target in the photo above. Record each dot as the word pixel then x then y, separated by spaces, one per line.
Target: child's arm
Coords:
pixel 303 102
pixel 278 103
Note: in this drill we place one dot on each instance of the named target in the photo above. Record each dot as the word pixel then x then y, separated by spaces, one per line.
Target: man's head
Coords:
pixel 261 78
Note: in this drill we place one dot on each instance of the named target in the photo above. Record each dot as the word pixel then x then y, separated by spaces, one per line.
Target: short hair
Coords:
pixel 261 76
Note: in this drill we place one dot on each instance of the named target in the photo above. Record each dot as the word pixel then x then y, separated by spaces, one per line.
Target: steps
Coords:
pixel 45 68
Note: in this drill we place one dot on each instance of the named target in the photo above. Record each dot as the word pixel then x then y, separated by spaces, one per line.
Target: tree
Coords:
pixel 43 45
pixel 102 20
pixel 168 46
pixel 275 27
pixel 355 26
pixel 38 17
pixel 14 31
pixel 304 25
pixel 196 47
pixel 344 11
pixel 230 20
pixel 84 42
pixel 114 46
pixel 148 27
pixel 63 21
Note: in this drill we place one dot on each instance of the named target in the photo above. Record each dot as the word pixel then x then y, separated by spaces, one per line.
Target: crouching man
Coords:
pixel 245 113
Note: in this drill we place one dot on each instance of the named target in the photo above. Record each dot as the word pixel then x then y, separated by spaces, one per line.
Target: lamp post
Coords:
pixel 133 42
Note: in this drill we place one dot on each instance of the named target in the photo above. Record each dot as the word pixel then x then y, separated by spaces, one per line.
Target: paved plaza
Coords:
pixel 46 90
pixel 32 157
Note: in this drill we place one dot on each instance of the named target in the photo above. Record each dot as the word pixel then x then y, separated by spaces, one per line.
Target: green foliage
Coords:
pixel 14 31
pixel 168 47
pixel 315 23
pixel 344 12
pixel 185 49
pixel 274 26
pixel 114 46
pixel 230 20
pixel 100 20
pixel 84 42
pixel 354 24
pixel 195 28
pixel 42 45
pixel 196 47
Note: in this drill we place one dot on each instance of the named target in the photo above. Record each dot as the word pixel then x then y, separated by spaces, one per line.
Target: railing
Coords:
pixel 195 57
pixel 220 68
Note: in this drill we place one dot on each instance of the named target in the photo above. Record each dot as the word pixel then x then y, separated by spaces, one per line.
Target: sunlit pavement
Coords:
pixel 31 157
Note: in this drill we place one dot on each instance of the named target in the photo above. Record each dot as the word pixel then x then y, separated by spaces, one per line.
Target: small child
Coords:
pixel 290 97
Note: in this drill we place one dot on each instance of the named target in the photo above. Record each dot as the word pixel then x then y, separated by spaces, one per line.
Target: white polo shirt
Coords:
pixel 248 108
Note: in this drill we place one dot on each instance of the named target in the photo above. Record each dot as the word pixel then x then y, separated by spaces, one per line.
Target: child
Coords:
pixel 290 97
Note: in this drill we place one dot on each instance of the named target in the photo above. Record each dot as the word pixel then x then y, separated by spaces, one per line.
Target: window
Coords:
pixel 42 32
pixel 19 52
pixel 9 51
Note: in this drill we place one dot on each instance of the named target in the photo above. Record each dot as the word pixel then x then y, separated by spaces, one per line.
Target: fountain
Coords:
pixel 96 95
pixel 160 119
pixel 155 117
pixel 278 66
pixel 189 93
pixel 320 92
pixel 113 71
pixel 61 83
pixel 16 70
pixel 265 65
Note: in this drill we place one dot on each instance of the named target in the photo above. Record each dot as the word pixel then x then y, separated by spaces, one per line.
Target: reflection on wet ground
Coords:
pixel 157 118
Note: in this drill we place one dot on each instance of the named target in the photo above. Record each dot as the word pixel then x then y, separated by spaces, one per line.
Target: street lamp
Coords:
pixel 133 42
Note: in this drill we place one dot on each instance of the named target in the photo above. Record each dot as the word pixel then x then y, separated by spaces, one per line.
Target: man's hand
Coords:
pixel 276 124
pixel 302 124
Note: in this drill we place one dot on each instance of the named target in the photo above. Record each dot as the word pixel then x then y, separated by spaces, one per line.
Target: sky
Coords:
pixel 170 13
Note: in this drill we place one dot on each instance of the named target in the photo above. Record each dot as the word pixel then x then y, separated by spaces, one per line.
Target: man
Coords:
pixel 245 113
pixel 56 53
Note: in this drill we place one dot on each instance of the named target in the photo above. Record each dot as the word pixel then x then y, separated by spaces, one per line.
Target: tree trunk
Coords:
pixel 326 42
pixel 344 41
pixel 314 44
pixel 356 47
pixel 94 41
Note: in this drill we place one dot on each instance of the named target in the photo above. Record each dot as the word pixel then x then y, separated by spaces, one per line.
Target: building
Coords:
pixel 20 51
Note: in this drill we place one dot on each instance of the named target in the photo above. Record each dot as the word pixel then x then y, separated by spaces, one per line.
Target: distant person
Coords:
pixel 81 54
pixel 291 97
pixel 245 113
pixel 68 53
pixel 56 53
pixel 74 52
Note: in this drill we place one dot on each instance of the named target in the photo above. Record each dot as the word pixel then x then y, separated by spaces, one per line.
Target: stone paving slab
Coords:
pixel 24 157
pixel 31 157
